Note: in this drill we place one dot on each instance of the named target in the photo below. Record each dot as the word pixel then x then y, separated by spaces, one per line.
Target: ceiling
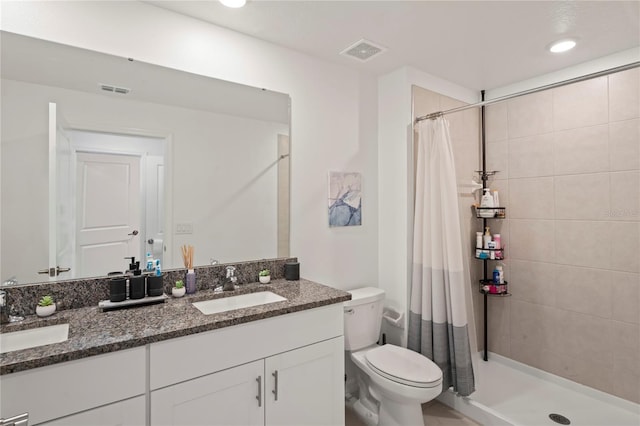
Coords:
pixel 477 44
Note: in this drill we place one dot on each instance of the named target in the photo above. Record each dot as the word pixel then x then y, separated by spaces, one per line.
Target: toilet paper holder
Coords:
pixel 393 317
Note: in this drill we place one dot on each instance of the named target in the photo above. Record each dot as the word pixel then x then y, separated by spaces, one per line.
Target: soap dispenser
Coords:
pixel 136 281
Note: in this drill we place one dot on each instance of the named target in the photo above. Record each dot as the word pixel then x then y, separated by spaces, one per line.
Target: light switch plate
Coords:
pixel 184 228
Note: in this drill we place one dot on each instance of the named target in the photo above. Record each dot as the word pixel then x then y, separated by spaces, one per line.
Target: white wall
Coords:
pixel 333 110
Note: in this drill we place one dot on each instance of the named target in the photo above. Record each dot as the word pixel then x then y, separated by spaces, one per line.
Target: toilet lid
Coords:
pixel 404 366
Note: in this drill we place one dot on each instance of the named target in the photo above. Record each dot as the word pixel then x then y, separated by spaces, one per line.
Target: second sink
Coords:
pixel 215 306
pixel 33 337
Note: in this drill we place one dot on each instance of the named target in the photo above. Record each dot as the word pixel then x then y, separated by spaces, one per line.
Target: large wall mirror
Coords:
pixel 105 158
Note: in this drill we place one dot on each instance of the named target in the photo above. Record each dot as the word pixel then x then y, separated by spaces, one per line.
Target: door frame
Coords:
pixel 168 172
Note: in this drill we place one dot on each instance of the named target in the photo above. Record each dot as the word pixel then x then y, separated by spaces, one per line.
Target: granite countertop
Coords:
pixel 93 332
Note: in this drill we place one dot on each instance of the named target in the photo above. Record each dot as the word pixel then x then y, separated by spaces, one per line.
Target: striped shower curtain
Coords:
pixel 437 314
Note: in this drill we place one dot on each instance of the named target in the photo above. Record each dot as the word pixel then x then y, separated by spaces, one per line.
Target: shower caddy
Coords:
pixel 499 213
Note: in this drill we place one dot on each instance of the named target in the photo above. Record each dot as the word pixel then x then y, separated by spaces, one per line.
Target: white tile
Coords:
pixel 531 198
pixel 584 290
pixel 531 156
pixel 582 150
pixel 626 296
pixel 624 145
pixel 498 158
pixel 625 196
pixel 583 243
pixel 626 368
pixel 581 104
pixel 502 186
pixel 532 281
pixel 585 336
pixel 532 240
pixel 533 324
pixel 625 246
pixel 496 122
pixel 425 101
pixel 584 196
pixel 624 95
pixel 530 115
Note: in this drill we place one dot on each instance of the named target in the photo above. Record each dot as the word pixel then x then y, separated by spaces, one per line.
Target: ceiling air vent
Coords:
pixel 114 89
pixel 363 50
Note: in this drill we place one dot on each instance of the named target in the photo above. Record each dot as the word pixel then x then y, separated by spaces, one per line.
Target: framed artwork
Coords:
pixel 345 199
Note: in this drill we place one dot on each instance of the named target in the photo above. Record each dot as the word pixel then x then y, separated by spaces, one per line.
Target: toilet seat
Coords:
pixel 404 366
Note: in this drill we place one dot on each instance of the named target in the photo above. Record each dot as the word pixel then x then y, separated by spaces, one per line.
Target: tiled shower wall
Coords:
pixel 569 162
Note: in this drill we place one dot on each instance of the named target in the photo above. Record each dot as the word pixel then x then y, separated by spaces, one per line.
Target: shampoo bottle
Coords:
pixel 487 201
pixel 478 243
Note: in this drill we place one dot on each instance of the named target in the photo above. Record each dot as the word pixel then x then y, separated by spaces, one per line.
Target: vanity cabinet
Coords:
pixel 306 386
pixel 61 390
pixel 299 387
pixel 286 370
pixel 283 370
pixel 229 397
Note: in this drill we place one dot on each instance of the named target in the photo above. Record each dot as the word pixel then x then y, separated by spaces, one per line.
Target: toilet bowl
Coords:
pixel 393 382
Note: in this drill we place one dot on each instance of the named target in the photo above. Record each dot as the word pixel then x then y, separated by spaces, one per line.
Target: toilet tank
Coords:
pixel 363 318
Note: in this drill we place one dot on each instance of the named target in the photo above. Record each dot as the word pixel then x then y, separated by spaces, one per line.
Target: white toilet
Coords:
pixel 393 381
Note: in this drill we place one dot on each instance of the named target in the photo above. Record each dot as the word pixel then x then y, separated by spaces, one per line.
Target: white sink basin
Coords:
pixel 215 306
pixel 31 338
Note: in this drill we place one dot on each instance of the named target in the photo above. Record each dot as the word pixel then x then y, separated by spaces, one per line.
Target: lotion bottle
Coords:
pixel 487 201
pixel 487 237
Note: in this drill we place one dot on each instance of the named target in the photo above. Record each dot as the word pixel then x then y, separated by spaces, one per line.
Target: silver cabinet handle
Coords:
pixel 19 420
pixel 134 233
pixel 259 396
pixel 275 386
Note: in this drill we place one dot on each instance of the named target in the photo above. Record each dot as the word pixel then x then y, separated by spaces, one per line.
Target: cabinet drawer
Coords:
pixel 130 412
pixel 212 351
pixel 59 390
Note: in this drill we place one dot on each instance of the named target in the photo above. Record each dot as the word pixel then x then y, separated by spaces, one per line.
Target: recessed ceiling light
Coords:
pixel 562 46
pixel 234 3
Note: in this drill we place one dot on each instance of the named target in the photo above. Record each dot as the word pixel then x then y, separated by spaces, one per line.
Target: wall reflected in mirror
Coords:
pixel 142 159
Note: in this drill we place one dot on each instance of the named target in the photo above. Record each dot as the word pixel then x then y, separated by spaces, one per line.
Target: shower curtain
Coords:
pixel 437 317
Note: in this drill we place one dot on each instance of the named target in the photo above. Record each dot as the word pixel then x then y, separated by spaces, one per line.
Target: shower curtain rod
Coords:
pixel 435 115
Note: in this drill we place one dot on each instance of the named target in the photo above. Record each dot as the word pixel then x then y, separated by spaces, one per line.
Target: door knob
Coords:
pixel 150 241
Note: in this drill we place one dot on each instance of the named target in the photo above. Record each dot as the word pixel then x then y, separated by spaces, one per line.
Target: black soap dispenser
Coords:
pixel 136 282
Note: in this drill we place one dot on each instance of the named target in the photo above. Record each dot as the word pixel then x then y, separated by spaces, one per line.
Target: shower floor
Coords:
pixel 511 393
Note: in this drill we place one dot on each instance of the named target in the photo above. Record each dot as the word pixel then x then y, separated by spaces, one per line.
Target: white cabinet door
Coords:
pixel 130 412
pixel 229 397
pixel 309 388
pixel 67 388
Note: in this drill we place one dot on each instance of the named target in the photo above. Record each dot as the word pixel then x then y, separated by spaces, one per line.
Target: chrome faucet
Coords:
pixel 231 284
